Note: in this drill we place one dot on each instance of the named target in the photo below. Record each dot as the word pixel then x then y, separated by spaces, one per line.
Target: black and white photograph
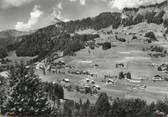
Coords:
pixel 83 58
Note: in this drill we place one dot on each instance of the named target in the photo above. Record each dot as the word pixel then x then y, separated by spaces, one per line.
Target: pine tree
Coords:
pixel 129 75
pixel 121 75
pixel 3 53
pixel 84 109
pixel 26 92
pixel 102 105
pixel 3 92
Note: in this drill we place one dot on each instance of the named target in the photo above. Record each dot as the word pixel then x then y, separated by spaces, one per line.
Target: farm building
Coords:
pixel 4 74
pixel 157 78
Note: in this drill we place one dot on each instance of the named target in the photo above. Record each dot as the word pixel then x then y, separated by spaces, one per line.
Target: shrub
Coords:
pixel 121 75
pixel 106 45
pixel 159 68
pixel 129 75
pixel 134 37
pixel 151 35
pixel 3 53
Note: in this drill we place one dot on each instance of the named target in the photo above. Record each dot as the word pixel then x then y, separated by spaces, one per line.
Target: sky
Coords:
pixel 25 15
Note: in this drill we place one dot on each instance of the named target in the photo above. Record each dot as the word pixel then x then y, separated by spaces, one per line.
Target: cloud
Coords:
pixel 57 13
pixel 59 6
pixel 14 3
pixel 82 2
pixel 72 0
pixel 35 14
pixel 120 4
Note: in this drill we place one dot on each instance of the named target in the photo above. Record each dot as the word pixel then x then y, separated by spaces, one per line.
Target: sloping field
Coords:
pixel 130 54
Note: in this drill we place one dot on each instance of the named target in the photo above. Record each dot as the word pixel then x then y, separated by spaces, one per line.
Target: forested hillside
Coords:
pixel 10 36
pixel 53 38
pixel 156 13
pixel 59 36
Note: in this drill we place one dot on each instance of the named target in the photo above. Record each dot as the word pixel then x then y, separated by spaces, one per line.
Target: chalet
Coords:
pixel 85 72
pixel 27 67
pixel 110 81
pixel 78 72
pixel 134 81
pixel 96 65
pixel 86 86
pixel 87 80
pixel 68 67
pixel 92 81
pixel 163 67
pixel 120 65
pixel 142 87
pixel 4 74
pixel 39 65
pixel 53 70
pixel 157 78
pixel 54 82
pixel 66 80
pixel 96 87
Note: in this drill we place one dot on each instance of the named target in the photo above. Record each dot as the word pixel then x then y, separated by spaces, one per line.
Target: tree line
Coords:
pixel 149 17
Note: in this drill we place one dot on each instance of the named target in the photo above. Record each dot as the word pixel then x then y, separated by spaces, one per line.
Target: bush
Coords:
pixel 159 68
pixel 134 37
pixel 121 75
pixel 129 75
pixel 106 45
pixel 3 53
pixel 151 35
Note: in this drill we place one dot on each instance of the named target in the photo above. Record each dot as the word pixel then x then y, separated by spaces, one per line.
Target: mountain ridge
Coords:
pixel 8 37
